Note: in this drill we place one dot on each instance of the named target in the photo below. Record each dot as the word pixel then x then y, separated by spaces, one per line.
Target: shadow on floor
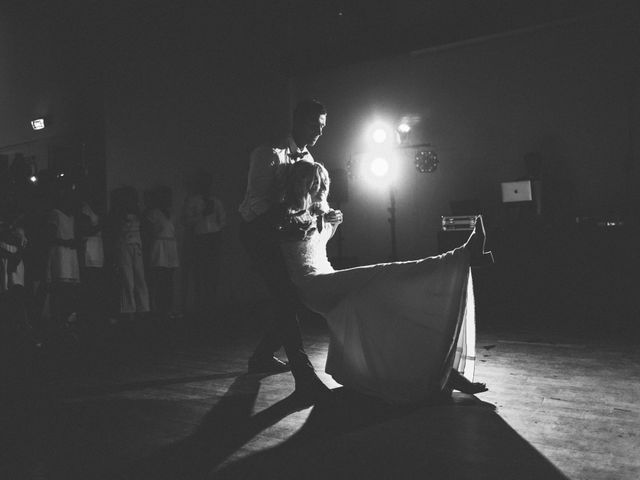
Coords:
pixel 352 437
pixel 357 438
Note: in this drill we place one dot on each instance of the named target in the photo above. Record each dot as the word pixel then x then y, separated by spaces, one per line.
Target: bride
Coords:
pixel 403 331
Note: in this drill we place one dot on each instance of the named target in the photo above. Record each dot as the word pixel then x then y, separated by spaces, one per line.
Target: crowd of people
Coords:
pixel 66 265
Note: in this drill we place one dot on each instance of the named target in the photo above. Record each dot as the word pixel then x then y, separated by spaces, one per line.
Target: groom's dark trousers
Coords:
pixel 260 240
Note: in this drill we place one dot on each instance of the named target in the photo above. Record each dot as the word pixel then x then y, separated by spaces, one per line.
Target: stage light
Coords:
pixel 403 133
pixel 33 179
pixel 379 135
pixel 404 128
pixel 38 124
pixel 379 167
pixel 373 170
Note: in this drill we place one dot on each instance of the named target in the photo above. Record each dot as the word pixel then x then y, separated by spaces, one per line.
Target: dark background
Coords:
pixel 144 92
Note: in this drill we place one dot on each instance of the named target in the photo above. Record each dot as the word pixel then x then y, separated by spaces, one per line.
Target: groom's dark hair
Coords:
pixel 308 109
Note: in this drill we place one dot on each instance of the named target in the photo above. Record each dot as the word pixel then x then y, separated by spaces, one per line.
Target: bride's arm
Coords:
pixel 333 218
pixel 296 226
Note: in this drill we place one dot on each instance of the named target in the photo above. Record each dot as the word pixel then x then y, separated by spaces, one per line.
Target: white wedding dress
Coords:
pixel 396 329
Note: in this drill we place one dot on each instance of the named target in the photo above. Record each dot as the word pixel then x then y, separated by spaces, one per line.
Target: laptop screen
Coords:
pixel 516 191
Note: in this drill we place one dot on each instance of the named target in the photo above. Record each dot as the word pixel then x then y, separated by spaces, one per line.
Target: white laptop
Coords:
pixel 516 191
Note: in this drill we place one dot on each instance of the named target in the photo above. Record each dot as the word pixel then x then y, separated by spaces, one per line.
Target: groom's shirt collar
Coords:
pixel 292 148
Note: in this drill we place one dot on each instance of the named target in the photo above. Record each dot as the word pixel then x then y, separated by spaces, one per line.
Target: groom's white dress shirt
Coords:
pixel 262 185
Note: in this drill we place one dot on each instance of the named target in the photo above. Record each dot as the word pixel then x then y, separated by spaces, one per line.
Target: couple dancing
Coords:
pixel 403 332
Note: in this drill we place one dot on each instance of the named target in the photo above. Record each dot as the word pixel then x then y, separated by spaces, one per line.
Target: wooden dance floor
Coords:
pixel 557 408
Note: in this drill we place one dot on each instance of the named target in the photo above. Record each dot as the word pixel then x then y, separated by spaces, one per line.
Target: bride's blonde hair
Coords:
pixel 306 187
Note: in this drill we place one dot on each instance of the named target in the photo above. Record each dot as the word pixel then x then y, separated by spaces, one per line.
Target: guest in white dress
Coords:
pixel 133 294
pixel 162 250
pixel 62 272
pixel 204 218
pixel 91 255
pixel 402 331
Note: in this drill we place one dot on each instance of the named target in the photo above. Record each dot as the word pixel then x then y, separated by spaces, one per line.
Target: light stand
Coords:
pixel 392 222
pixel 425 161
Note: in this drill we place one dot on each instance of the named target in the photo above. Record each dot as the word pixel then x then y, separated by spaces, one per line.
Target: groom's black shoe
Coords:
pixel 267 365
pixel 310 390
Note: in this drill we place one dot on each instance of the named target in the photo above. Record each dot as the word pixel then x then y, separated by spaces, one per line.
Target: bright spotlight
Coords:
pixel 404 128
pixel 403 132
pixel 379 167
pixel 374 171
pixel 33 179
pixel 379 135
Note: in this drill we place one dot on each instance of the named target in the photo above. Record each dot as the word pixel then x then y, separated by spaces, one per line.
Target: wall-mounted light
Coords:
pixel 38 124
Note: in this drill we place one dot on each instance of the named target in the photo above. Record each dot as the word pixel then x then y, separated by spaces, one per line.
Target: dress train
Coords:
pixel 397 329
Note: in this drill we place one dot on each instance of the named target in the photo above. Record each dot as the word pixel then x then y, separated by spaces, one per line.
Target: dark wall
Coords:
pixel 146 92
pixel 48 69
pixel 188 87
pixel 162 90
pixel 567 91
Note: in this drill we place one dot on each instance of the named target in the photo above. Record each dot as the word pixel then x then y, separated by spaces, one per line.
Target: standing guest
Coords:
pixel 163 251
pixel 133 294
pixel 63 269
pixel 259 237
pixel 17 194
pixel 36 252
pixel 16 334
pixel 15 199
pixel 13 241
pixel 13 298
pixel 91 257
pixel 204 218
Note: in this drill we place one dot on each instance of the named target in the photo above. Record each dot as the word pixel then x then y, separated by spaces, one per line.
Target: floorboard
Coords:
pixel 557 408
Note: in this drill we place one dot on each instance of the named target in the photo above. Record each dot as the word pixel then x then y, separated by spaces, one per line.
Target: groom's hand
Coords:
pixel 334 217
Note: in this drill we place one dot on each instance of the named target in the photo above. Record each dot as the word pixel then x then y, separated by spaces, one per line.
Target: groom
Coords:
pixel 258 236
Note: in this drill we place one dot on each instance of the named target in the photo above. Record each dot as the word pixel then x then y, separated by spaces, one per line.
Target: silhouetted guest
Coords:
pixel 36 253
pixel 15 328
pixel 258 235
pixel 63 270
pixel 124 219
pixel 13 241
pixel 204 218
pixel 91 255
pixel 163 250
pixel 17 193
